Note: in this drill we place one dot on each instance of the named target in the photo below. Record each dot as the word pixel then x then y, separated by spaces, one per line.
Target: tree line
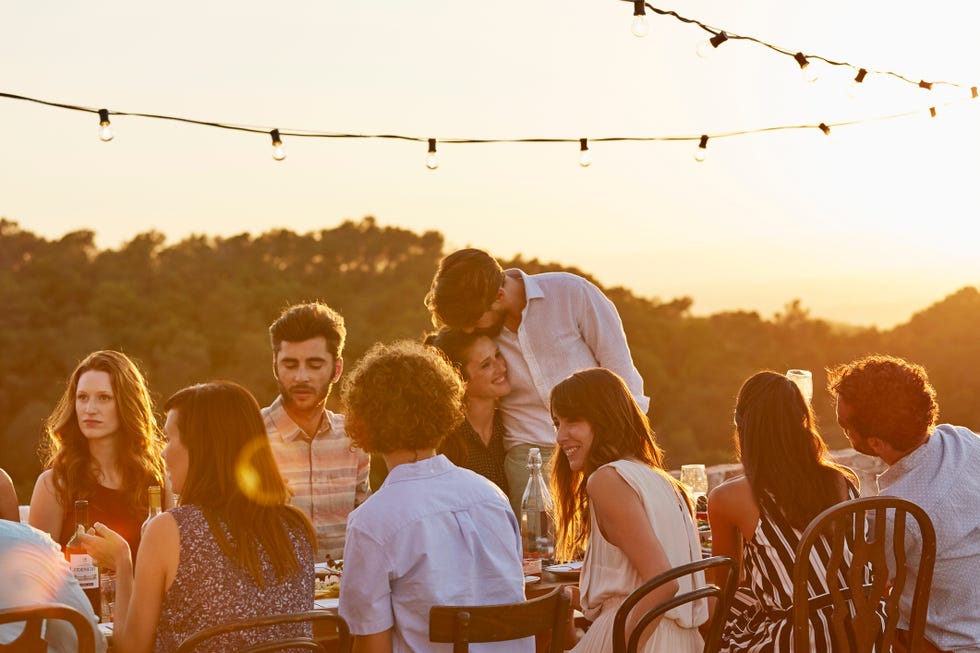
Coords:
pixel 199 309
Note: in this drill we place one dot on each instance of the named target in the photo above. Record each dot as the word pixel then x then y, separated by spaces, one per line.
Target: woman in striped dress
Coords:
pixel 759 517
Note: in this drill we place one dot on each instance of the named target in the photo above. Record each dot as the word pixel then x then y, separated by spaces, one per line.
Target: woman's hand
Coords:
pixel 106 546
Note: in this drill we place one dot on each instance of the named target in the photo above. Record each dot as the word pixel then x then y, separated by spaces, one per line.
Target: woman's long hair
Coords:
pixel 619 430
pixel 784 458
pixel 139 443
pixel 233 478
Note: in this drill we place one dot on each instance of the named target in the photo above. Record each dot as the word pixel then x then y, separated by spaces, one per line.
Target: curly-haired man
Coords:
pixel 888 409
pixel 433 533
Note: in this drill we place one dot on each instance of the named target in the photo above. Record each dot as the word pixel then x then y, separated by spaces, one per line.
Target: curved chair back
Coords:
pixel 315 617
pixel 30 641
pixel 875 532
pixel 722 594
pixel 460 625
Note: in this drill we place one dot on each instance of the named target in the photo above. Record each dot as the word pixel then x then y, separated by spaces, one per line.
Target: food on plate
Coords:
pixel 326 588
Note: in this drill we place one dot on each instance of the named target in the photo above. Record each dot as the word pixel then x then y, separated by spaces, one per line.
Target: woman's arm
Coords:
pixel 139 595
pixel 734 516
pixel 8 498
pixel 624 523
pixel 47 513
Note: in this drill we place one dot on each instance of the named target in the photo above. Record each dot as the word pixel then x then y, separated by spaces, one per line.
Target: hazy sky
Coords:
pixel 864 226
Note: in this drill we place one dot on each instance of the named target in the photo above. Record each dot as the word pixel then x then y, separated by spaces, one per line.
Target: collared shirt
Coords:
pixel 433 534
pixel 941 476
pixel 567 325
pixel 328 477
pixel 34 571
pixel 465 447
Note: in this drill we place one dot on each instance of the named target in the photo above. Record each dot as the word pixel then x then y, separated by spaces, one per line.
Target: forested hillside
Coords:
pixel 199 309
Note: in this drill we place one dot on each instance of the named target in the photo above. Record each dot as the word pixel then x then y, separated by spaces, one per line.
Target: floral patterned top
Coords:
pixel 210 589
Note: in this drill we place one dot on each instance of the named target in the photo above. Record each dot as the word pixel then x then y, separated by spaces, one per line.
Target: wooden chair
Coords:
pixel 315 617
pixel 856 588
pixel 30 641
pixel 460 625
pixel 722 594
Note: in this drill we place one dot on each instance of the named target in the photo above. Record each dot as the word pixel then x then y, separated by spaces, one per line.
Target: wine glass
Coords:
pixel 804 380
pixel 695 479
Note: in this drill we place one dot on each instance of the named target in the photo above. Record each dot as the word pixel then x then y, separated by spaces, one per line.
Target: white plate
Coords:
pixel 326 604
pixel 322 569
pixel 565 568
pixel 528 580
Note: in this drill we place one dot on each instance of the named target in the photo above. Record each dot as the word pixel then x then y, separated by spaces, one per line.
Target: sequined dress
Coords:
pixel 210 589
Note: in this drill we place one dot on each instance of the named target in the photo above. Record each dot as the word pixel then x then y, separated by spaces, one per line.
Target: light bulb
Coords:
pixel 584 155
pixel 706 48
pixel 105 129
pixel 701 153
pixel 432 158
pixel 856 87
pixel 639 26
pixel 278 150
pixel 807 72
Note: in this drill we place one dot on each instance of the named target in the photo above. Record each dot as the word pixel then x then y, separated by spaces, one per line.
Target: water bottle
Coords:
pixel 537 525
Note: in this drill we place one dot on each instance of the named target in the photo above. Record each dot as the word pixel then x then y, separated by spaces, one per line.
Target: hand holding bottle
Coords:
pixel 107 547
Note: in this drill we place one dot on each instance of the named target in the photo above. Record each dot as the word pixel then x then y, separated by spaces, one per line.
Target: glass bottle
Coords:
pixel 82 565
pixel 156 507
pixel 537 525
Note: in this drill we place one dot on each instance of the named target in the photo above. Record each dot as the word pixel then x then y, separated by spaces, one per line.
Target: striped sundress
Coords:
pixel 761 618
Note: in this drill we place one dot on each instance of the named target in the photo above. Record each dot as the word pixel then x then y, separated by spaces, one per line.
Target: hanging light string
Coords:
pixel 719 36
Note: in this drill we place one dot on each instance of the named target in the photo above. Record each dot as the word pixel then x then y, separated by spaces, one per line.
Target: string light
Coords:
pixel 808 73
pixel 825 128
pixel 278 151
pixel 584 155
pixel 432 158
pixel 702 151
pixel 924 84
pixel 105 129
pixel 706 48
pixel 639 24
pixel 973 92
pixel 932 112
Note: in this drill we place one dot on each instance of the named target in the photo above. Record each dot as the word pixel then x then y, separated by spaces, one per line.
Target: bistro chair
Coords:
pixel 318 618
pixel 877 531
pixel 722 594
pixel 31 641
pixel 460 625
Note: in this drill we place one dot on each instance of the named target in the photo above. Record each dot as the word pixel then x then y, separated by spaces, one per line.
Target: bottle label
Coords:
pixel 84 570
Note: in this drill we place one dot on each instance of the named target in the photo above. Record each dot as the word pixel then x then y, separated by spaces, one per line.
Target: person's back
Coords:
pixel 34 571
pixel 433 534
pixel 210 589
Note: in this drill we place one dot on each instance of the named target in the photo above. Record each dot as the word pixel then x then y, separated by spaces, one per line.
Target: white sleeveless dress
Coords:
pixel 608 577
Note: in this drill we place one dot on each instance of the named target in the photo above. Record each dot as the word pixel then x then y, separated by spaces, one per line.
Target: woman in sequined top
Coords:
pixel 233 549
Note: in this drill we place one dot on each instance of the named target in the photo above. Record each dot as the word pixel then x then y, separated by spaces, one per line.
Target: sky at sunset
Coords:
pixel 864 226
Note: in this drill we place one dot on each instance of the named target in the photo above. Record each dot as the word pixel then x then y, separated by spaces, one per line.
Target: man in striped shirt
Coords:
pixel 328 477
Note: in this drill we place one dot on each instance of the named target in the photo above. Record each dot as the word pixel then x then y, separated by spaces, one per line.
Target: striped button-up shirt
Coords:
pixel 327 475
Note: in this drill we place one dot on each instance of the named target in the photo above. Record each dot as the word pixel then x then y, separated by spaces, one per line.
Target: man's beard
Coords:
pixel 320 394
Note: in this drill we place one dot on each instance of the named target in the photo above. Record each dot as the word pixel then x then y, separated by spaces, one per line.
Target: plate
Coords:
pixel 324 569
pixel 326 604
pixel 530 580
pixel 567 569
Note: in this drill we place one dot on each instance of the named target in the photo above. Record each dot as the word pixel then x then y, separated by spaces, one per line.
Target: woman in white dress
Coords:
pixel 614 499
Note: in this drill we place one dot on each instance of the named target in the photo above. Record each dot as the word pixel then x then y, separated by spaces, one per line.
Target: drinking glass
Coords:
pixel 804 380
pixel 695 479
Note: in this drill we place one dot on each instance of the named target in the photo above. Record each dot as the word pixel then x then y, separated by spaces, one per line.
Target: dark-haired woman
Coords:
pixel 759 517
pixel 103 445
pixel 233 549
pixel 613 497
pixel 478 442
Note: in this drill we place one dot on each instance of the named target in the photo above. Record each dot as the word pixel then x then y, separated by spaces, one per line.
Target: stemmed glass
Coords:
pixel 804 380
pixel 695 479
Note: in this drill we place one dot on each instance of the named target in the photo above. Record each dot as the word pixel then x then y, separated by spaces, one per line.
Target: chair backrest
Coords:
pixel 31 641
pixel 315 617
pixel 872 532
pixel 723 595
pixel 461 624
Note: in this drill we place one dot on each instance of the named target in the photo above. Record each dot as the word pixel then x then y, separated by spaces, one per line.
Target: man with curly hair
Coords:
pixel 888 409
pixel 547 326
pixel 433 533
